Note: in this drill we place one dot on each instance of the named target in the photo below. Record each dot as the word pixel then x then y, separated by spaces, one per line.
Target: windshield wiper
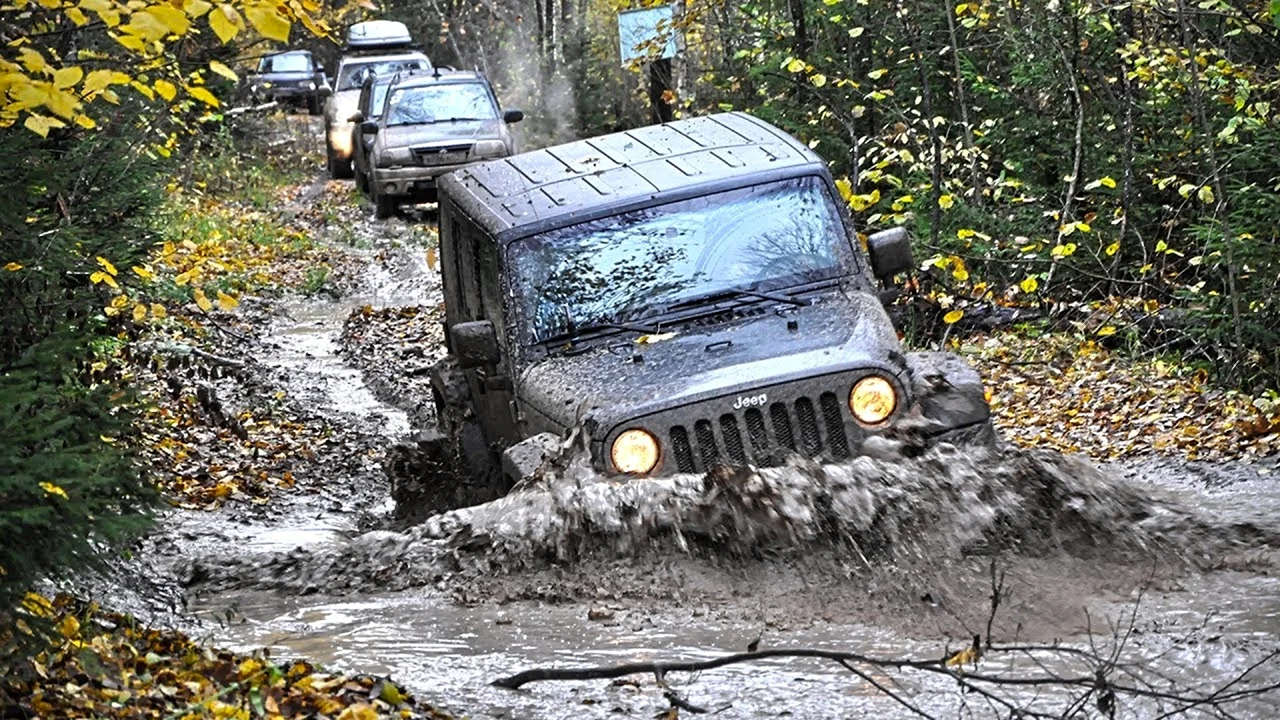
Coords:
pixel 578 332
pixel 733 295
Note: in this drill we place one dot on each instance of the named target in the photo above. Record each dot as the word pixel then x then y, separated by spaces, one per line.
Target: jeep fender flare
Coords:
pixel 948 392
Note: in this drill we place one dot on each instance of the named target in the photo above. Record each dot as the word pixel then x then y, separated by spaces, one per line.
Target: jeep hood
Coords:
pixel 442 133
pixel 840 331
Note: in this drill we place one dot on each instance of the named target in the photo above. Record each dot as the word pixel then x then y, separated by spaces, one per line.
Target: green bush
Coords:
pixel 69 492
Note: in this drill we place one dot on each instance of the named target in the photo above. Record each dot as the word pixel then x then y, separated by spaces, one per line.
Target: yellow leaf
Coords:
pixel 226 22
pixel 33 61
pixel 146 91
pixel 35 603
pixel 960 273
pixel 139 312
pixel 67 77
pixel 101 277
pixel 97 6
pixel 946 201
pixel 97 81
pixel 1205 194
pixel 1106 330
pixel 1113 248
pixel 794 65
pixel 1108 182
pixel 69 626
pixel 106 265
pixel 77 17
pixel 1185 189
pixel 226 302
pixel 845 188
pixel 358 712
pixel 165 89
pixel 13 267
pixel 85 122
pixel 202 95
pixel 967 655
pixel 650 339
pixel 201 300
pixel 268 21
pixel 1151 305
pixel 51 489
pixel 171 17
pixel 143 272
pixel 224 71
pixel 953 317
pixel 1029 285
pixel 196 8
pixel 157 310
pixel 818 79
pixel 964 233
pixel 38 124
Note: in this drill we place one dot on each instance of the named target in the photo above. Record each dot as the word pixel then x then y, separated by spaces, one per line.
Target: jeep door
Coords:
pixel 476 264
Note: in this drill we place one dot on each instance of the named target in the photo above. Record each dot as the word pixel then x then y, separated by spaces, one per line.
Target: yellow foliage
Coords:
pixel 202 301
pixel 953 316
pixel 51 489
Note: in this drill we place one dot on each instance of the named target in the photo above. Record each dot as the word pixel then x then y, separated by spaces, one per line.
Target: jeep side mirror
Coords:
pixel 369 127
pixel 323 90
pixel 356 117
pixel 512 116
pixel 890 252
pixel 474 343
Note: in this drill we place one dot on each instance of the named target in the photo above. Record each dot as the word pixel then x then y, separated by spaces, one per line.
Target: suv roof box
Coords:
pixel 378 34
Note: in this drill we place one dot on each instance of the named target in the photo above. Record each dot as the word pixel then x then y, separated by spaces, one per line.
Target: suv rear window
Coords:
pixel 351 75
pixel 629 266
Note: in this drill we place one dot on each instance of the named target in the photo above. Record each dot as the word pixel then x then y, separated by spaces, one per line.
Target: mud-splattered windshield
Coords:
pixel 634 265
pixel 353 74
pixel 440 103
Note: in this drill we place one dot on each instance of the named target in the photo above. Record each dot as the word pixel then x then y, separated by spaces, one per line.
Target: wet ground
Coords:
pixel 1172 562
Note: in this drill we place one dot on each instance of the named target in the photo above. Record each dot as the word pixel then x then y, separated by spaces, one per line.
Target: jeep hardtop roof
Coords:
pixel 578 181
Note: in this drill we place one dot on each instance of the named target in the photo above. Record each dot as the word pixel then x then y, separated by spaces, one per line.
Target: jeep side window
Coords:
pixel 468 275
pixel 489 273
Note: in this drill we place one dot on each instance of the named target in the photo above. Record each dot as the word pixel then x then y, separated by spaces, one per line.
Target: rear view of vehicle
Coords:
pixel 432 125
pixel 290 77
pixel 376 47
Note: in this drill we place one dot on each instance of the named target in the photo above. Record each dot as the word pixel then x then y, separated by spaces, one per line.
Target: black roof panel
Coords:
pixel 568 183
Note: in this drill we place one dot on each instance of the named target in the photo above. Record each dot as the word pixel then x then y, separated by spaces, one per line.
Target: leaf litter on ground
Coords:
pixel 85 662
pixel 1071 394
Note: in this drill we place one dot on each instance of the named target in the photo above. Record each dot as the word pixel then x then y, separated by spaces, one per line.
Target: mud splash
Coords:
pixel 578 535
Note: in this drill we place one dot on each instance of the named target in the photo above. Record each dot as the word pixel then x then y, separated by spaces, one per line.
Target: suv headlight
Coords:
pixel 635 452
pixel 872 400
pixel 490 149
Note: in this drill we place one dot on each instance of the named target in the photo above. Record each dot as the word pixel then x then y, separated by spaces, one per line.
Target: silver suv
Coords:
pixel 431 125
pixel 344 101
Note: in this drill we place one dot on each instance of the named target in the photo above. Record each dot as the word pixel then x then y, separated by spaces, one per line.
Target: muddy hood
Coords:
pixel 608 385
pixel 442 133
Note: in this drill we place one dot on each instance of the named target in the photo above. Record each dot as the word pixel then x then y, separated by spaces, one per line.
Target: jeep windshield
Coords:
pixel 286 63
pixel 751 243
pixel 449 102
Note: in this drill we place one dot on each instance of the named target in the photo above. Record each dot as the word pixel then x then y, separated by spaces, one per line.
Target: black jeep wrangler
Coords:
pixel 682 296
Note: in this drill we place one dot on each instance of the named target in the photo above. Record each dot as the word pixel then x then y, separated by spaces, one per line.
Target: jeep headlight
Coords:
pixel 489 149
pixel 635 452
pixel 872 400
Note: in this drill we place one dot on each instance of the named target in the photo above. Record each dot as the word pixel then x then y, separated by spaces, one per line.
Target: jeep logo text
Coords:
pixel 746 401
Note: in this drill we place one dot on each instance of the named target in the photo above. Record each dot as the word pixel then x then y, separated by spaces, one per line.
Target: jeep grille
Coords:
pixel 764 436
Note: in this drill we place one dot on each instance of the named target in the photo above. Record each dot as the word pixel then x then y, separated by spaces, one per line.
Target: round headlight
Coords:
pixel 635 452
pixel 873 400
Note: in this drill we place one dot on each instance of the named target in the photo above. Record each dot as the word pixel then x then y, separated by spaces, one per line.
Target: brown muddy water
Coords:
pixel 1166 568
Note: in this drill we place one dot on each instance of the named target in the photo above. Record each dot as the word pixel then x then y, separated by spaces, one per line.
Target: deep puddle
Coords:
pixel 449 654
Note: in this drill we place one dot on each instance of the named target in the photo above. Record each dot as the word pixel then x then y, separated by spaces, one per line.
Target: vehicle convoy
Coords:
pixel 291 77
pixel 683 296
pixel 380 47
pixel 431 124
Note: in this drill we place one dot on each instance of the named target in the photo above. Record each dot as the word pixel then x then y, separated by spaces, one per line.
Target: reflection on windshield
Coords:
pixel 439 103
pixel 353 76
pixel 633 265
pixel 288 63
